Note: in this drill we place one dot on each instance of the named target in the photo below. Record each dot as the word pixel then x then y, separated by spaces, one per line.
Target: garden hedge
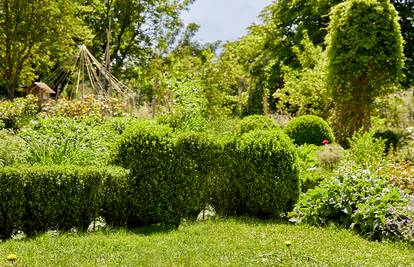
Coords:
pixel 40 198
pixel 177 174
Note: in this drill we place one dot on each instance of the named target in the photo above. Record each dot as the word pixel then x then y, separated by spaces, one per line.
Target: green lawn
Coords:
pixel 232 242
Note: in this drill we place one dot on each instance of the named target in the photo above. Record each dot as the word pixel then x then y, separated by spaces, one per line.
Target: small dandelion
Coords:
pixel 12 257
pixel 288 244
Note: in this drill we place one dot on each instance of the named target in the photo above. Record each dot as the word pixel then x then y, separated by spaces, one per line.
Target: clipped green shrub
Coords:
pixel 309 129
pixel 358 200
pixel 12 201
pixel 254 122
pixel 177 174
pixel 268 179
pixel 222 181
pixel 39 198
pixel 164 176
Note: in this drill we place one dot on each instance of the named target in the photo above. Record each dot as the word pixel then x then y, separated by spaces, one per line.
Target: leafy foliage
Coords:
pixel 258 122
pixel 14 115
pixel 12 149
pixel 304 90
pixel 178 174
pixel 358 200
pixel 52 197
pixel 30 42
pixel 85 107
pixel 309 129
pixel 364 60
pixel 365 151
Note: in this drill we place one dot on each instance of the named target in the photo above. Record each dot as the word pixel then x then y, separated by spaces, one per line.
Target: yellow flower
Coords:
pixel 288 243
pixel 11 257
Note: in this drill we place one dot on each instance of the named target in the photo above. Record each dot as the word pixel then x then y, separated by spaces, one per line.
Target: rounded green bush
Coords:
pixel 268 181
pixel 254 122
pixel 309 129
pixel 164 185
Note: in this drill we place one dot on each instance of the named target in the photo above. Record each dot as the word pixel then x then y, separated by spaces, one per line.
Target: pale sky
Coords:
pixel 223 19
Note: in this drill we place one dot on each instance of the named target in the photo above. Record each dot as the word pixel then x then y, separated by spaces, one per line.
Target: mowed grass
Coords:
pixel 230 242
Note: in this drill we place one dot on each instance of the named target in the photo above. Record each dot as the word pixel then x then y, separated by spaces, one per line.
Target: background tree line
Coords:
pixel 279 65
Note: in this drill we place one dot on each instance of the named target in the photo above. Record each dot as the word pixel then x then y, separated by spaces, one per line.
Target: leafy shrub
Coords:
pixel 190 105
pixel 14 114
pixel 309 171
pixel 84 107
pixel 365 151
pixel 159 181
pixel 309 129
pixel 12 149
pixel 254 122
pixel 268 178
pixel 391 138
pixel 176 175
pixel 40 198
pixel 359 200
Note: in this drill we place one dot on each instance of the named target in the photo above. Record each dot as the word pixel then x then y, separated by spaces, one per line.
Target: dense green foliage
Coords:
pixel 268 176
pixel 391 138
pixel 358 200
pixel 12 149
pixel 364 60
pixel 365 151
pixel 309 129
pixel 14 114
pixel 163 180
pixel 254 122
pixel 31 44
pixel 177 175
pixel 52 197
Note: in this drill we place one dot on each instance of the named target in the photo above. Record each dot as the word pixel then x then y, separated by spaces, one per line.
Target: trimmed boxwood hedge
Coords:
pixel 171 176
pixel 39 198
pixel 268 179
pixel 178 174
pixel 309 129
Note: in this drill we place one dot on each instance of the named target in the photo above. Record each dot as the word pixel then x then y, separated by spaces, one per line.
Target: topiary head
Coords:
pixel 309 129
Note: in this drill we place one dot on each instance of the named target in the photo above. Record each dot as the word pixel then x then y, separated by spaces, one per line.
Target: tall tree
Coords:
pixel 136 27
pixel 364 60
pixel 31 31
pixel 405 10
pixel 283 26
